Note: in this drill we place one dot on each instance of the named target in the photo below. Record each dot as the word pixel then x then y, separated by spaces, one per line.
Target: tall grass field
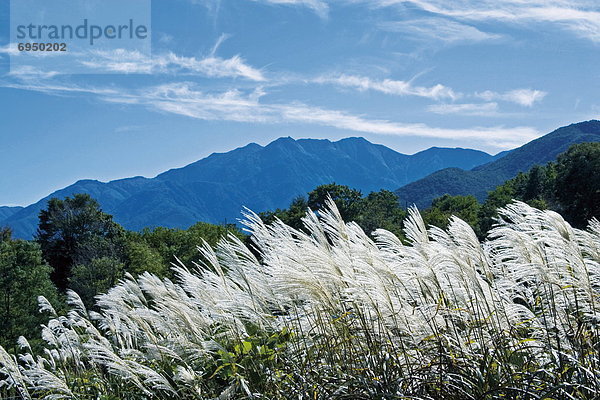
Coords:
pixel 331 313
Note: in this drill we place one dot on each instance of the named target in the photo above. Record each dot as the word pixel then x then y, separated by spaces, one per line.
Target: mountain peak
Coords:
pixel 592 126
pixel 216 188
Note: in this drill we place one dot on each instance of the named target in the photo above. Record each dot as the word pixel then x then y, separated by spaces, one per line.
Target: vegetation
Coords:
pixel 328 312
pixel 23 277
pixel 571 186
pixel 376 210
pixel 492 300
pixel 75 231
pixel 81 248
pixel 484 178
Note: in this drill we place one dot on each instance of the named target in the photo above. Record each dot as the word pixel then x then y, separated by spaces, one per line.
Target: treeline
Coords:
pixel 570 186
pixel 79 247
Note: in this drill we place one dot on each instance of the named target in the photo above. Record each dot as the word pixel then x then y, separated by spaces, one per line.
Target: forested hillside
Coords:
pixel 480 180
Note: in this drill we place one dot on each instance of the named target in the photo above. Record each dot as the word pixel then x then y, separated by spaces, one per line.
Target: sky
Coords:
pixel 482 74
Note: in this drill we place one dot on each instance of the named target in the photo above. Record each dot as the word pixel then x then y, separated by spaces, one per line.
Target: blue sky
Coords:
pixel 483 74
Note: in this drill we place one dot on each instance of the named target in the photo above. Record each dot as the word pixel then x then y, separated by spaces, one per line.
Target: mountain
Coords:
pixel 6 212
pixel 216 188
pixel 481 179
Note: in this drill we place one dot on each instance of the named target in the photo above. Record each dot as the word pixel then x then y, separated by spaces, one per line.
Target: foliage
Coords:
pixel 329 313
pixel 156 250
pixel 292 215
pixel 578 182
pixel 76 231
pixel 23 277
pixel 98 276
pixel 376 210
pixel 442 208
pixel 346 199
pixel 571 185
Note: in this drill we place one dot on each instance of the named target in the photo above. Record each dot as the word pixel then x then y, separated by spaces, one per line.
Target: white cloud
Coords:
pixel 523 97
pixel 389 86
pixel 581 17
pixel 236 105
pixel 439 30
pixel 319 7
pixel 135 62
pixel 469 109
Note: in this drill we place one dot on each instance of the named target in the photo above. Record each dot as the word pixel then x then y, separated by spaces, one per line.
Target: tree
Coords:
pixel 23 277
pixel 75 231
pixel 95 277
pixel 345 198
pixel 5 234
pixel 155 249
pixel 381 210
pixel 577 187
pixel 142 257
pixel 291 216
pixel 442 208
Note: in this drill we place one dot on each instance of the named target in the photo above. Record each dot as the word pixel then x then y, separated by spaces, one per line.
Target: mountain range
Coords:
pixel 6 211
pixel 481 179
pixel 216 188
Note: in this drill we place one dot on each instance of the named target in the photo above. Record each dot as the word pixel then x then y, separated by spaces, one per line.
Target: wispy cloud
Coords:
pixel 523 97
pixel 389 86
pixel 468 109
pixel 581 17
pixel 246 106
pixel 123 61
pixel 321 8
pixel 440 30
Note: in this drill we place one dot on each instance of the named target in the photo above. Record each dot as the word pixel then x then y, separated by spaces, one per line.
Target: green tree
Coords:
pixel 442 208
pixel 95 277
pixel 291 216
pixel 5 234
pixel 346 199
pixel 156 249
pixel 377 210
pixel 142 257
pixel 577 187
pixel 76 231
pixel 23 277
pixel 381 210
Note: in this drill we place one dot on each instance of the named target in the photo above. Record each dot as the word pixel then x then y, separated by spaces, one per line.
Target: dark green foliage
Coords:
pixel 376 210
pixel 346 199
pixel 577 187
pixel 381 210
pixel 570 186
pixel 90 253
pixel 95 277
pixel 292 215
pixel 76 231
pixel 5 234
pixel 23 277
pixel 155 250
pixel 464 207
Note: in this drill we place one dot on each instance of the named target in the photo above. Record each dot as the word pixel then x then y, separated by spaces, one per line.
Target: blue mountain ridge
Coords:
pixel 215 189
pixel 484 178
pixel 6 211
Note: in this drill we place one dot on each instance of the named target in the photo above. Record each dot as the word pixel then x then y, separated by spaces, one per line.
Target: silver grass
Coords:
pixel 532 290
